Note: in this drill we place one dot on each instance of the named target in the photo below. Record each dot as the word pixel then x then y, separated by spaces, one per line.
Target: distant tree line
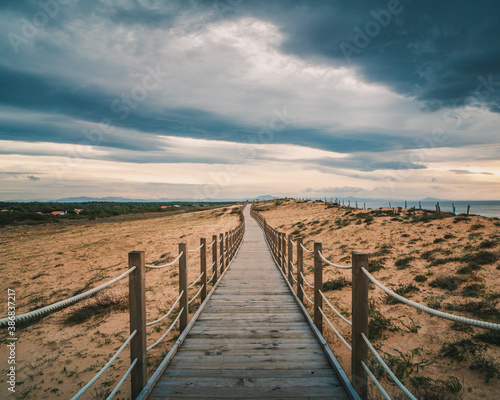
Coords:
pixel 29 213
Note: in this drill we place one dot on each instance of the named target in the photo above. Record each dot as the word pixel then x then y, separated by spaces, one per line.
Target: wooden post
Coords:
pixel 468 209
pixel 318 286
pixel 283 253
pixel 300 267
pixel 214 258
pixel 221 251
pixel 203 268
pixel 290 260
pixel 183 287
pixel 137 304
pixel 453 205
pixel 359 323
pixel 420 205
pixel 226 257
pixel 406 205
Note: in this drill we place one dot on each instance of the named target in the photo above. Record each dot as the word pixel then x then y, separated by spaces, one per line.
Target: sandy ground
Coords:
pixel 413 338
pixel 45 264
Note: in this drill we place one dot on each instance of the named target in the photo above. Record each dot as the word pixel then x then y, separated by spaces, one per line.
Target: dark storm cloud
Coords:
pixel 444 53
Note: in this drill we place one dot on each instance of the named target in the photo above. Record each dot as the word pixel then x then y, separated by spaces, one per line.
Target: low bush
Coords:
pixel 446 282
pixel 336 284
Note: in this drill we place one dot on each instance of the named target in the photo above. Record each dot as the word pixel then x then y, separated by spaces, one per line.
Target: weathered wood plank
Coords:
pixel 251 341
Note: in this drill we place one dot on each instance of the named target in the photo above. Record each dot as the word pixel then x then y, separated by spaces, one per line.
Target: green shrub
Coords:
pixel 487 244
pixel 420 278
pixel 375 265
pixel 459 349
pixel 473 290
pixel 403 290
pixel 489 367
pixel 491 337
pixel 446 282
pixel 336 284
pixel 404 262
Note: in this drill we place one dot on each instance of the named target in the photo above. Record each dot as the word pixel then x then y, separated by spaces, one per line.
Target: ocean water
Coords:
pixel 484 208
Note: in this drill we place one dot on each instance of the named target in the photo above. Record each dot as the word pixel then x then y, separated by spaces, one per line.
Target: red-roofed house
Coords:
pixel 78 210
pixel 58 212
pixel 164 206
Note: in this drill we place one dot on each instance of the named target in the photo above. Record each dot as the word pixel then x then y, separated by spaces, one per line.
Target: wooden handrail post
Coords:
pixel 221 251
pixel 203 268
pixel 137 304
pixel 359 323
pixel 183 279
pixel 318 286
pixel 214 258
pixel 226 257
pixel 300 266
pixel 283 253
pixel 290 260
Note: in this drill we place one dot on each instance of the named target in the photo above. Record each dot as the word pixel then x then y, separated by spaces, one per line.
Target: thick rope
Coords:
pixel 196 295
pixel 375 381
pixel 122 381
pixel 304 293
pixel 166 265
pixel 387 369
pixel 195 250
pixel 451 317
pixel 103 370
pixel 291 241
pixel 64 303
pixel 169 312
pixel 211 244
pixel 208 270
pixel 335 330
pixel 335 310
pixel 334 265
pixel 167 332
pixel 196 281
pixel 303 248
pixel 305 281
pixel 211 279
pixel 293 266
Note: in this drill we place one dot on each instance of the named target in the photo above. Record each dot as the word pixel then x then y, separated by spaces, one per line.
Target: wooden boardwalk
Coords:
pixel 252 340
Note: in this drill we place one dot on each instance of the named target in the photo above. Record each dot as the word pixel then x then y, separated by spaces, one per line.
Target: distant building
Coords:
pixel 164 207
pixel 58 213
pixel 78 210
pixel 177 206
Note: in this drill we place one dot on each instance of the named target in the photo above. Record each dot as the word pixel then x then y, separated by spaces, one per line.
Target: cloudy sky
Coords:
pixel 235 98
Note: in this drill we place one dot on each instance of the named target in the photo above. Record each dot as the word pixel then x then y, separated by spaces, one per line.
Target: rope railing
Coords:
pixel 335 310
pixel 335 330
pixel 122 381
pixel 196 295
pixel 387 369
pixel 211 244
pixel 375 381
pixel 305 281
pixel 195 250
pixel 167 332
pixel 451 317
pixel 332 264
pixel 305 249
pixel 197 280
pixel 211 267
pixel 104 369
pixel 305 295
pixel 67 302
pixel 211 279
pixel 166 265
pixel 168 313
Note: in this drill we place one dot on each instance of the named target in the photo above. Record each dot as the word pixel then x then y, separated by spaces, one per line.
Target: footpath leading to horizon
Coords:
pixel 252 340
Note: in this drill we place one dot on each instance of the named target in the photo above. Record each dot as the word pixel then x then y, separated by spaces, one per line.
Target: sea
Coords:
pixel 490 209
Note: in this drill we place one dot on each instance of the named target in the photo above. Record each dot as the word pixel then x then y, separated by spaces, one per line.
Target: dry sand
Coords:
pixel 390 239
pixel 45 264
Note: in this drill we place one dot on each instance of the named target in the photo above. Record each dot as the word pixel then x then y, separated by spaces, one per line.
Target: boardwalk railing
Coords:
pixel 284 248
pixel 223 249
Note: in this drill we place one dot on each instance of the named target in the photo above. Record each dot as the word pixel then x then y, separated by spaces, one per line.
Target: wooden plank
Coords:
pixel 252 340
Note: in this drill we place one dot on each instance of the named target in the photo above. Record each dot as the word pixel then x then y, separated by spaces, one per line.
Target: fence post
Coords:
pixel 203 268
pixel 290 260
pixel 300 266
pixel 221 251
pixel 183 287
pixel 137 304
pixel 283 253
pixel 318 286
pixel 359 323
pixel 214 258
pixel 226 257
